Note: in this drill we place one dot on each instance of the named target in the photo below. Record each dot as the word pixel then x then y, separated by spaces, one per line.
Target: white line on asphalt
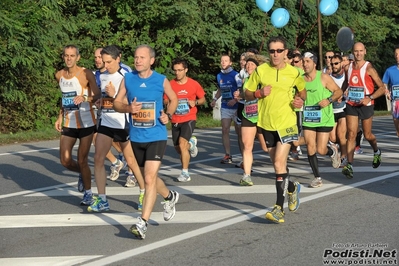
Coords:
pixel 184 190
pixel 100 219
pixel 204 230
pixel 47 261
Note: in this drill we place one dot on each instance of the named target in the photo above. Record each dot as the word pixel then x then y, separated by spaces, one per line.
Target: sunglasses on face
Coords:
pixel 336 63
pixel 328 57
pixel 279 51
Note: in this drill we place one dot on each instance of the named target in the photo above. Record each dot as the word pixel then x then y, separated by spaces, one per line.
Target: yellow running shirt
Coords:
pixel 276 111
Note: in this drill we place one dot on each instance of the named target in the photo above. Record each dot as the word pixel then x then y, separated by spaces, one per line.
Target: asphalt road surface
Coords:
pixel 218 222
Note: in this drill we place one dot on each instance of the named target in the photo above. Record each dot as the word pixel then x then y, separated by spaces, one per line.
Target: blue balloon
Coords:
pixel 265 5
pixel 280 17
pixel 328 7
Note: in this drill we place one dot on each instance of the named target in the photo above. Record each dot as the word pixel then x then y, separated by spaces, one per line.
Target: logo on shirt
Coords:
pixel 66 83
pixel 355 80
pixel 143 85
pixel 182 92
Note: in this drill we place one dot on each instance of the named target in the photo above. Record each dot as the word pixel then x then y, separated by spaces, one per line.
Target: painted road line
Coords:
pixel 184 190
pixel 111 260
pixel 101 219
pixel 47 261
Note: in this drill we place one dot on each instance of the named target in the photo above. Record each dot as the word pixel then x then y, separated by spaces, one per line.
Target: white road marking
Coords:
pixel 184 190
pixel 100 219
pixel 204 230
pixel 47 261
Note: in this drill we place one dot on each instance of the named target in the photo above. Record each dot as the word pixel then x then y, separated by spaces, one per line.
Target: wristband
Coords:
pixel 196 102
pixel 85 97
pixel 258 94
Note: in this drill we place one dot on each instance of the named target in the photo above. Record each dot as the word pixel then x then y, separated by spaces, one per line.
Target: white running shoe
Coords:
pixel 115 169
pixel 169 206
pixel 193 146
pixel 184 177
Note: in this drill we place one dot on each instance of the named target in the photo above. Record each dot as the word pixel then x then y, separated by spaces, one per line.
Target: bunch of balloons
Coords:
pixel 280 16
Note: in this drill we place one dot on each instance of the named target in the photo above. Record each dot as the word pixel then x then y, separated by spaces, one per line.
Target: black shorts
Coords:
pixel 77 133
pixel 117 134
pixel 184 130
pixel 271 138
pixel 363 112
pixel 246 123
pixel 338 116
pixel 318 129
pixel 148 151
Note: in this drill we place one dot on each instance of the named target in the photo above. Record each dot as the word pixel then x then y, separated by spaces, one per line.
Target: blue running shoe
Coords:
pixel 98 206
pixel 87 199
pixel 81 187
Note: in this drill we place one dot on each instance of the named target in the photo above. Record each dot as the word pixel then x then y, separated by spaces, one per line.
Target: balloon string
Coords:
pixel 307 34
pixel 266 34
pixel 299 22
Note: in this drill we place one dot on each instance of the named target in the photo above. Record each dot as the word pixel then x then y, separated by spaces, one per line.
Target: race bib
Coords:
pixel 251 108
pixel 67 101
pixel 145 118
pixel 226 94
pixel 355 94
pixel 107 103
pixel 395 92
pixel 312 114
pixel 183 107
pixel 289 134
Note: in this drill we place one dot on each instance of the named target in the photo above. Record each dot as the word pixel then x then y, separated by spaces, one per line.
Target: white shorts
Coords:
pixel 229 114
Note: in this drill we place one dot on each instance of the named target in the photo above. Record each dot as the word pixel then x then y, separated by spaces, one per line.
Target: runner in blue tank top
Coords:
pixel 141 96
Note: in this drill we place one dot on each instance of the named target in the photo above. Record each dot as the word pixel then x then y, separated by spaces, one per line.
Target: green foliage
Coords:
pixel 33 34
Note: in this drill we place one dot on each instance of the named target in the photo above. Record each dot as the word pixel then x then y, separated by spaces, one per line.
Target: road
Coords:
pixel 217 222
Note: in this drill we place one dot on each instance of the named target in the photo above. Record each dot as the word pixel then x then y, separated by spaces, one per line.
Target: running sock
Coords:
pixel 184 170
pixel 358 137
pixel 377 152
pixel 103 197
pixel 314 164
pixel 291 186
pixel 88 191
pixel 281 188
pixel 170 196
pixel 330 151
pixel 142 191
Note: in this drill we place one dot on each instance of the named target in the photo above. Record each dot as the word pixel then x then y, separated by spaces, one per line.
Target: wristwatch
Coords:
pixel 330 99
pixel 371 97
pixel 169 116
pixel 85 97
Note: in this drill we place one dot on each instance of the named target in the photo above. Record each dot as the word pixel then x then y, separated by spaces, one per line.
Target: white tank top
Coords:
pixel 109 117
pixel 75 116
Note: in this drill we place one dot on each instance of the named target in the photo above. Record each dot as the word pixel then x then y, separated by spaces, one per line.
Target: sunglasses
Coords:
pixel 336 63
pixel 328 57
pixel 279 51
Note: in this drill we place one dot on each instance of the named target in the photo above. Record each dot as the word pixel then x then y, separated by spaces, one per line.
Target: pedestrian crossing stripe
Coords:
pixel 102 219
pixel 48 261
pixel 183 190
